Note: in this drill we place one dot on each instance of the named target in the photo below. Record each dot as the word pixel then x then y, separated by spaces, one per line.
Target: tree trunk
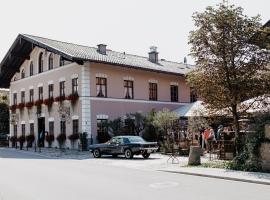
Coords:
pixel 238 140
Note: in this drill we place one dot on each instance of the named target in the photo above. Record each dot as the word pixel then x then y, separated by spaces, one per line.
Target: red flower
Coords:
pixel 29 105
pixel 73 97
pixel 59 98
pixel 21 106
pixel 38 102
pixel 48 102
pixel 13 107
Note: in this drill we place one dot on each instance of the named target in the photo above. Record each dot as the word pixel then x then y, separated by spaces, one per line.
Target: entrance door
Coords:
pixel 41 131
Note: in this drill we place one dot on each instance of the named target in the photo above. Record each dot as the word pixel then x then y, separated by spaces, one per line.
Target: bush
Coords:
pixel 30 139
pixel 74 136
pixel 61 138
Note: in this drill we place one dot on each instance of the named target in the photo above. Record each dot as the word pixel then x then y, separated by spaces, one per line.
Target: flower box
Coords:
pixel 29 105
pixel 49 138
pixel 21 139
pixel 38 102
pixel 21 106
pixel 13 108
pixel 13 139
pixel 73 97
pixel 59 98
pixel 48 102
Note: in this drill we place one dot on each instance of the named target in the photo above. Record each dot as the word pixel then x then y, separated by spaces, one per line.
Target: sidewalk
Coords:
pixel 249 177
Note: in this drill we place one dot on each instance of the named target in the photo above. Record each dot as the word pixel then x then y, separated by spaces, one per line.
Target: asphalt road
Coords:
pixel 25 176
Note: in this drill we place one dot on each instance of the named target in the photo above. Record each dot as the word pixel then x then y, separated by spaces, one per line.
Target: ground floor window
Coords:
pixel 51 128
pixel 32 129
pixel 23 129
pixel 15 130
pixel 63 127
pixel 75 126
pixel 102 130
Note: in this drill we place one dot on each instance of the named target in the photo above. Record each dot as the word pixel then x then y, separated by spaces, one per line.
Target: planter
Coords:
pixel 73 98
pixel 61 138
pixel 49 138
pixel 30 139
pixel 59 98
pixel 13 141
pixel 13 108
pixel 21 106
pixel 21 140
pixel 38 102
pixel 48 102
pixel 29 105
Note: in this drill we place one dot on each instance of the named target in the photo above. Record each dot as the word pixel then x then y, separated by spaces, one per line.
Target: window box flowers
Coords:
pixel 38 102
pixel 29 105
pixel 13 108
pixel 21 106
pixel 59 98
pixel 73 97
pixel 48 102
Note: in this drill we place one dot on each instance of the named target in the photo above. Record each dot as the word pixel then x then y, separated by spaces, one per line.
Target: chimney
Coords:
pixel 153 54
pixel 102 48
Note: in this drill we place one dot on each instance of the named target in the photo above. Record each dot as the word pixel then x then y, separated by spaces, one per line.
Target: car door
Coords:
pixel 111 147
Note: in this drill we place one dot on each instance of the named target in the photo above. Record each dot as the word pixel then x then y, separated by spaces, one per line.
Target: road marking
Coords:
pixel 163 185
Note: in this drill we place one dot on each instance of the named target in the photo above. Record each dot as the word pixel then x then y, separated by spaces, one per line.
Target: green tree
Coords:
pixel 230 69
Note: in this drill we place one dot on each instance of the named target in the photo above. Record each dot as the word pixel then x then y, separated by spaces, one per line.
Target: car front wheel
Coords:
pixel 128 154
pixel 146 155
pixel 96 153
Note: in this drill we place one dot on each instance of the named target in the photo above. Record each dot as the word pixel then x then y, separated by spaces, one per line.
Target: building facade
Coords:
pixel 62 88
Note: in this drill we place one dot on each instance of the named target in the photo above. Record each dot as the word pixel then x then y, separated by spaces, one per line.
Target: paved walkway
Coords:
pixel 157 162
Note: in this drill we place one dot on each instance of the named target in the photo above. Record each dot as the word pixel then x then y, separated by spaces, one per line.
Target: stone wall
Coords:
pixel 265 150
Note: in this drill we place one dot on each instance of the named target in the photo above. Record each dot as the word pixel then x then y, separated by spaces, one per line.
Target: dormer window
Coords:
pixel 31 70
pixel 40 63
pixel 22 74
pixel 50 62
pixel 61 61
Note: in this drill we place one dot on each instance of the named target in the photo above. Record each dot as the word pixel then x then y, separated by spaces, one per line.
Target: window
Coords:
pixel 63 127
pixel 75 86
pixel 101 84
pixel 75 125
pixel 128 89
pixel 51 128
pixel 32 129
pixel 102 130
pixel 14 98
pixel 40 93
pixel 174 93
pixel 15 130
pixel 40 63
pixel 153 91
pixel 50 91
pixel 23 129
pixel 61 61
pixel 22 74
pixel 31 95
pixel 50 62
pixel 22 96
pixel 193 95
pixel 62 88
pixel 31 70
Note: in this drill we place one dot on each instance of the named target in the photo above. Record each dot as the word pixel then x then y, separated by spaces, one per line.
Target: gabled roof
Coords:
pixel 23 45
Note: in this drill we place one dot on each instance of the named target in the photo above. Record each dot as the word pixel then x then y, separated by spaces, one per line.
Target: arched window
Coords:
pixel 62 61
pixel 40 63
pixel 50 62
pixel 31 69
pixel 22 74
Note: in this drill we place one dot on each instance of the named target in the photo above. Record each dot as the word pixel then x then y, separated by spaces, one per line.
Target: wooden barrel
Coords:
pixel 194 155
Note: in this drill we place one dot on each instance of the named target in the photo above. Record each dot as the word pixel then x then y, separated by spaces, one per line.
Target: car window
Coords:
pixel 136 140
pixel 126 141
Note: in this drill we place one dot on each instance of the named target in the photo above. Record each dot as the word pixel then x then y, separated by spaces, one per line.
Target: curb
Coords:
pixel 218 177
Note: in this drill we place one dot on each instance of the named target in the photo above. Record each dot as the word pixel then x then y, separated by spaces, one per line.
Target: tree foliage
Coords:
pixel 230 68
pixel 4 114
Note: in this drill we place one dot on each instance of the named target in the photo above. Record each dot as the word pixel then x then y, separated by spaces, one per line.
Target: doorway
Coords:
pixel 41 131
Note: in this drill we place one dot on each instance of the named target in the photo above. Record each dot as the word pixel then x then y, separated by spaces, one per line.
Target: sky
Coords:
pixel 124 25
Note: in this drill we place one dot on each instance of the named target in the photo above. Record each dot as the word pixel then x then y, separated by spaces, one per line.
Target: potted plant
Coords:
pixel 73 97
pixel 29 105
pixel 59 98
pixel 48 102
pixel 13 140
pixel 30 139
pixel 73 137
pixel 21 140
pixel 61 138
pixel 21 106
pixel 49 138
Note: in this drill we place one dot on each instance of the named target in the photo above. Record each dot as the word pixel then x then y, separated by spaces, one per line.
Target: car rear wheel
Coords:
pixel 128 154
pixel 146 155
pixel 96 153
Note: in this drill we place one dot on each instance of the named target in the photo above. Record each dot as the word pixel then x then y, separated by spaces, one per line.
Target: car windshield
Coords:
pixel 135 139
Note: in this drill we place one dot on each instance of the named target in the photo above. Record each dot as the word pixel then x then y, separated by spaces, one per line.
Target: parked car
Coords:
pixel 124 145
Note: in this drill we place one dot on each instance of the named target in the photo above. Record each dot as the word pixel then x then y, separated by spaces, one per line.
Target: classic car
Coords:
pixel 124 145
